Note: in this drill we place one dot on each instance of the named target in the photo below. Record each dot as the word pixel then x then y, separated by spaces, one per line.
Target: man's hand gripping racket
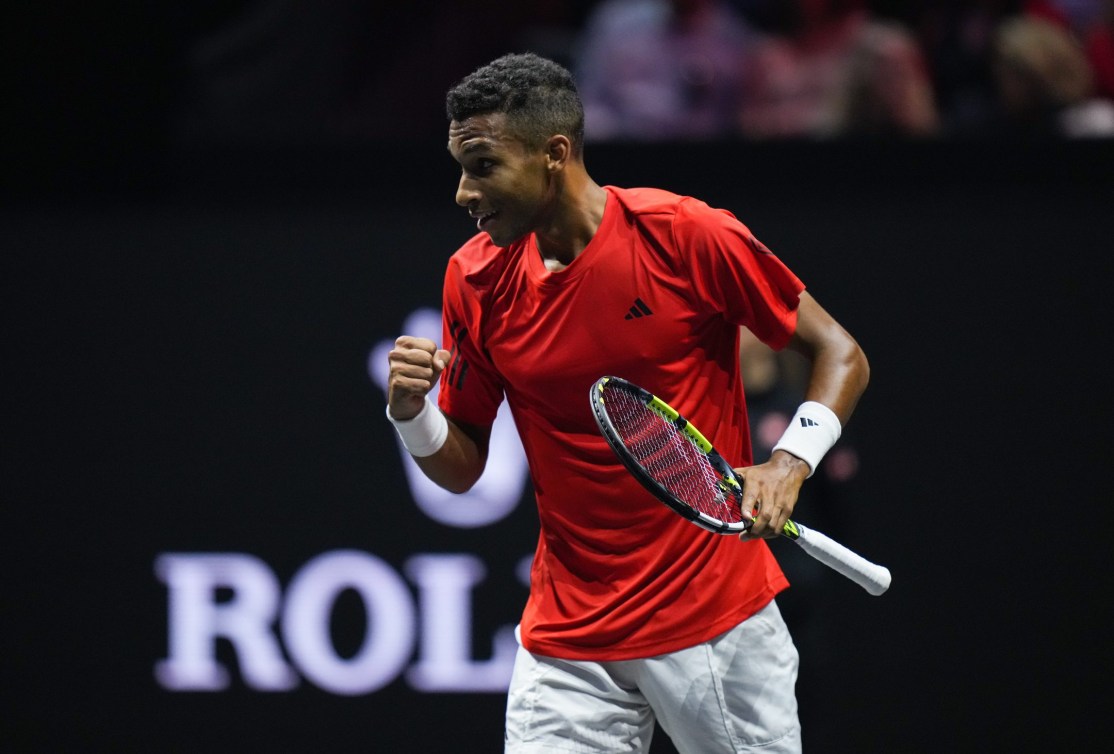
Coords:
pixel 674 462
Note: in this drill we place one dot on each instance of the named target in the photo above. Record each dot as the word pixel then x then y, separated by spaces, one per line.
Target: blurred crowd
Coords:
pixel 762 69
pixel 663 69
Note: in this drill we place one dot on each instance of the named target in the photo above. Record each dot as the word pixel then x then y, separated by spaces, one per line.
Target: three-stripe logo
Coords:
pixel 457 369
pixel 638 310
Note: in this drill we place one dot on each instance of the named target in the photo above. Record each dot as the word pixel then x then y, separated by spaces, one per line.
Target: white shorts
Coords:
pixel 734 693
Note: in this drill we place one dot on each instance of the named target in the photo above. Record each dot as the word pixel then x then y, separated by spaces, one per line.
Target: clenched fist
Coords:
pixel 416 365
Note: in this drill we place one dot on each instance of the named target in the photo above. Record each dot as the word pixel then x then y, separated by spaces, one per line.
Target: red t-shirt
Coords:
pixel 657 298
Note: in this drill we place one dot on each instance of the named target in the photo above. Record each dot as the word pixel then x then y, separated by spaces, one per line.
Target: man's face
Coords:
pixel 504 184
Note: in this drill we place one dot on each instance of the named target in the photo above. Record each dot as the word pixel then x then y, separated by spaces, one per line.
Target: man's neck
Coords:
pixel 574 225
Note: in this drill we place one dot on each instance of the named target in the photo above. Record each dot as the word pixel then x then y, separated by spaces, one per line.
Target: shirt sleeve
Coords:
pixel 735 275
pixel 471 388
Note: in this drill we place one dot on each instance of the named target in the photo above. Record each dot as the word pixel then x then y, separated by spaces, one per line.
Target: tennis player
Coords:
pixel 635 617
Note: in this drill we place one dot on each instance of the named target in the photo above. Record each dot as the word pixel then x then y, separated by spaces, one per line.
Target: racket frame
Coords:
pixel 730 484
pixel 874 578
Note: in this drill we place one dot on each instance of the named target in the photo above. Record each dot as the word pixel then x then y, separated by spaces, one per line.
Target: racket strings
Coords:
pixel 671 458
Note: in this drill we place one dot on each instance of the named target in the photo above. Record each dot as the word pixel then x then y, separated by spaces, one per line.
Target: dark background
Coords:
pixel 185 327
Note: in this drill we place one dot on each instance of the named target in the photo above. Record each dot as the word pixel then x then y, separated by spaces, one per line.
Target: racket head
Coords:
pixel 668 455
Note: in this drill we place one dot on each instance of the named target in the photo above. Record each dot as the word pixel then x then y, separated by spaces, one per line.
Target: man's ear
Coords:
pixel 558 151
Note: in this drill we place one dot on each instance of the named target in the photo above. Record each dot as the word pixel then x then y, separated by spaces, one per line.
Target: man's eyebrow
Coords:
pixel 474 146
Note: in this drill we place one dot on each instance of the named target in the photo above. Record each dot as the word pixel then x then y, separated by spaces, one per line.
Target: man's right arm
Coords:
pixel 452 454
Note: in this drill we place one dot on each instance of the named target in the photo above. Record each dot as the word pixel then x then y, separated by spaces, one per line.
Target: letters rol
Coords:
pixel 237 597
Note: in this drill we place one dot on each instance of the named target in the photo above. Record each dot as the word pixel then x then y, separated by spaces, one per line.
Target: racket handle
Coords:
pixel 870 576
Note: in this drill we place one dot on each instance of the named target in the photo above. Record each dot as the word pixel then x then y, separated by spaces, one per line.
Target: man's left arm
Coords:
pixel 838 376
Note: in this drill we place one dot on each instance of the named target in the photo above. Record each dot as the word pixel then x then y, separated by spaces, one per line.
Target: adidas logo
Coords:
pixel 806 422
pixel 638 310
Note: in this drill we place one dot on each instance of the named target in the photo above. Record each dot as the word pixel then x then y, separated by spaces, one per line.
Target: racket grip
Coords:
pixel 870 576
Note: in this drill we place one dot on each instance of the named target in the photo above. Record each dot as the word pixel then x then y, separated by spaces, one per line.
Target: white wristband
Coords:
pixel 424 434
pixel 812 432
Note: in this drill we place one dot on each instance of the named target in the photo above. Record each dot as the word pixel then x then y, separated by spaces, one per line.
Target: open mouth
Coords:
pixel 483 218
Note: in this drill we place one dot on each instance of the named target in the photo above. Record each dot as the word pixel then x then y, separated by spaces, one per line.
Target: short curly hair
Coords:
pixel 538 96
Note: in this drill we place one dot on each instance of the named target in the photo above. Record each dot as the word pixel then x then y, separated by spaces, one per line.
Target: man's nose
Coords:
pixel 466 192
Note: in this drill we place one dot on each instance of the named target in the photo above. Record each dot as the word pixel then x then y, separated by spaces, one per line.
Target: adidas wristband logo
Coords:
pixel 812 432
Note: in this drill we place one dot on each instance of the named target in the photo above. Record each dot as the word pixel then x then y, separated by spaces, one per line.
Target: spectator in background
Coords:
pixel 956 37
pixel 960 39
pixel 662 69
pixel 837 71
pixel 1075 15
pixel 1100 51
pixel 1045 83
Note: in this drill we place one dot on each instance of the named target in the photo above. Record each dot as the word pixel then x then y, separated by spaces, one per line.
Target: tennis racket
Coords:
pixel 674 461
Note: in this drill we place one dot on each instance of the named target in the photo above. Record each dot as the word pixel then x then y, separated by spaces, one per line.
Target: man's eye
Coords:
pixel 479 167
